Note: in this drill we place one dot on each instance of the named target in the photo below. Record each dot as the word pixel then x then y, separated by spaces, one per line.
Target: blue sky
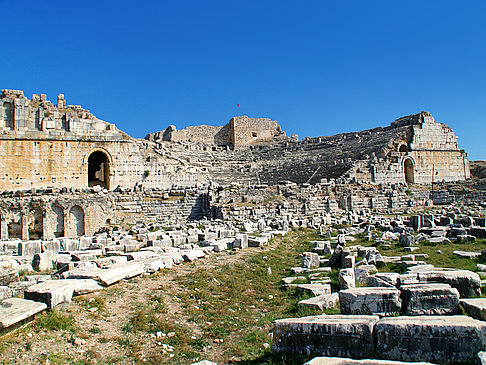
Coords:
pixel 318 67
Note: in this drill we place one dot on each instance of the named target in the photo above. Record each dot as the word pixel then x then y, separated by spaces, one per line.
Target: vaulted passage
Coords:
pixel 99 170
pixel 409 171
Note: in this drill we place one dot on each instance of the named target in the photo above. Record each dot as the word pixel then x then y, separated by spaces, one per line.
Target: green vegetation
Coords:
pixel 55 320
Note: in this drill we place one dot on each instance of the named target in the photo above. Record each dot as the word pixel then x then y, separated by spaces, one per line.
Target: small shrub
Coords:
pixel 146 173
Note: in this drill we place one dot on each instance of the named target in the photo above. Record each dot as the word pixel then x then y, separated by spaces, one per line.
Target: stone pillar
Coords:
pixel 47 232
pixel 3 228
pixel 67 225
pixel 25 225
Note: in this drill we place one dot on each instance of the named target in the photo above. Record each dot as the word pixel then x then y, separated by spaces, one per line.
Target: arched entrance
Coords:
pixel 76 220
pixel 99 169
pixel 409 171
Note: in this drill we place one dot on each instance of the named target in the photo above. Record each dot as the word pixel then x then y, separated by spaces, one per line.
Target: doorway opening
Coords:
pixel 409 171
pixel 99 170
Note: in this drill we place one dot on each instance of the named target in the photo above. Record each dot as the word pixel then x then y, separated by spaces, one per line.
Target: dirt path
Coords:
pixel 100 320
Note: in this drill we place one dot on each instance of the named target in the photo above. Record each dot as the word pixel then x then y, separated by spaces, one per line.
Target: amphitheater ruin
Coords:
pixel 76 191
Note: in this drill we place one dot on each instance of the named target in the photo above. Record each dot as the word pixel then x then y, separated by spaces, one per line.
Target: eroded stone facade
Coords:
pixel 49 147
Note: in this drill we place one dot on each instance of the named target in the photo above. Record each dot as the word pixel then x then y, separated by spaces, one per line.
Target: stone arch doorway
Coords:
pixel 76 220
pixel 403 148
pixel 99 169
pixel 408 168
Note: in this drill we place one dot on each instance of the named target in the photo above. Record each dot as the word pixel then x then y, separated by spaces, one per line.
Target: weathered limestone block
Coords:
pixel 466 282
pixel 15 312
pixel 346 361
pixel 310 260
pixel 241 241
pixel 292 279
pixel 311 289
pixel 257 241
pixel 83 286
pixel 443 339
pixel 379 301
pixel 51 292
pixel 29 248
pixel 429 299
pixel 346 279
pixel 321 302
pixel 475 307
pixel 43 261
pixel 8 275
pixel 334 335
pixel 5 292
pixel 108 276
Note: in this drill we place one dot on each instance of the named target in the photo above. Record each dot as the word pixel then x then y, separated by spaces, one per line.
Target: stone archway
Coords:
pixel 76 221
pixel 403 148
pixel 409 171
pixel 99 169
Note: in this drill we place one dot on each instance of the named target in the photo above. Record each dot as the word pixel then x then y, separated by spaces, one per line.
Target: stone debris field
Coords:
pixel 236 244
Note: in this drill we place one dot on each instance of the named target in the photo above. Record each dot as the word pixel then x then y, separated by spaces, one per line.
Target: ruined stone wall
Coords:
pixel 46 215
pixel 207 134
pixel 247 131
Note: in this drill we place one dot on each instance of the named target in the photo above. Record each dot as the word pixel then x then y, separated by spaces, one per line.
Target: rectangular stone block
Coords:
pixel 442 339
pixel 324 360
pixel 51 292
pixel 475 307
pixel 429 299
pixel 328 335
pixel 15 312
pixel 466 282
pixel 370 300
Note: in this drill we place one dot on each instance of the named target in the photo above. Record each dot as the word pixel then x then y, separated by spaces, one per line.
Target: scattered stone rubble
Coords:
pixel 412 316
pixel 81 265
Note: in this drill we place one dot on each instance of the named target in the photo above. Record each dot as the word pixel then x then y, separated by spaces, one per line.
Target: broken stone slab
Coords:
pixel 442 339
pixel 466 282
pixel 420 268
pixel 51 292
pixel 108 276
pixel 83 286
pixel 241 241
pixel 475 307
pixel 390 278
pixel 5 292
pixel 15 312
pixel 467 255
pixel 347 279
pixel 140 255
pixel 328 335
pixel 292 279
pixel 29 248
pixel 43 261
pixel 8 275
pixel 310 260
pixel 365 301
pixel 257 241
pixel 321 302
pixel 346 361
pixel 429 299
pixel 311 289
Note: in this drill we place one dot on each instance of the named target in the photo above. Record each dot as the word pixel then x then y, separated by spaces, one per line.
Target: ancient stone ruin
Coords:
pixel 92 206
